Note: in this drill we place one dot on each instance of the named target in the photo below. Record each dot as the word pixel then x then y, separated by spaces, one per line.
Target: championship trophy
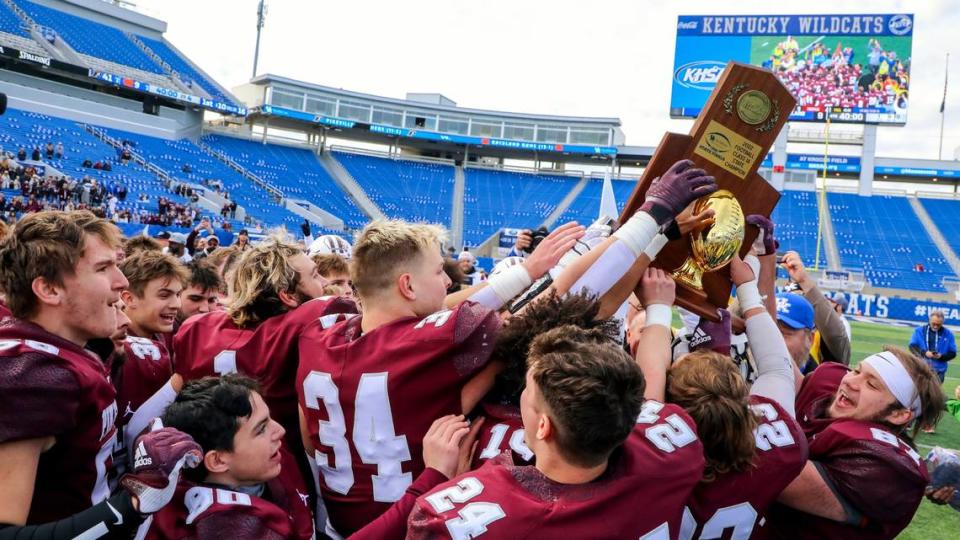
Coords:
pixel 735 130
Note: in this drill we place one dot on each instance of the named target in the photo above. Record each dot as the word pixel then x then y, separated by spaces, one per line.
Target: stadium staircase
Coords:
pixel 829 239
pixel 935 234
pixel 349 185
pixel 34 42
pixel 162 176
pixel 167 69
pixel 565 203
pixel 456 214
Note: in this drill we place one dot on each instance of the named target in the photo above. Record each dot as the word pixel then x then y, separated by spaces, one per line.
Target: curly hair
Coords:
pixel 513 341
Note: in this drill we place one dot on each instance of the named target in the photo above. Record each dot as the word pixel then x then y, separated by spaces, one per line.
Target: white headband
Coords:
pixel 897 379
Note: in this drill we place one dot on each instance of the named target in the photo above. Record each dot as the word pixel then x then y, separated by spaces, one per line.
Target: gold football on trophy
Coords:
pixel 714 246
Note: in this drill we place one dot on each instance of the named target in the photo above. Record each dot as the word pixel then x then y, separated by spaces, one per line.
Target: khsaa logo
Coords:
pixel 900 25
pixel 702 75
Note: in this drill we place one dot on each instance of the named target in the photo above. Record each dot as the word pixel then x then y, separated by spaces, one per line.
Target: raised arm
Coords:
pixel 775 375
pixel 653 350
pixel 636 243
pixel 501 288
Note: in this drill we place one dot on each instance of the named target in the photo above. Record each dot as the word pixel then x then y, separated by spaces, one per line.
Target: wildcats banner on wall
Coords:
pixel 899 309
pixel 848 68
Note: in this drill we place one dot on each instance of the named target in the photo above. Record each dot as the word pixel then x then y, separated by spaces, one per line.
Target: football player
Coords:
pixel 503 429
pixel 752 444
pixel 609 464
pixel 152 300
pixel 202 292
pixel 370 386
pixel 248 484
pixel 272 288
pixel 864 478
pixel 57 416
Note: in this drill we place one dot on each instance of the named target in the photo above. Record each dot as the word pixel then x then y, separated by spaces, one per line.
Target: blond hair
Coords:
pixel 385 248
pixel 145 266
pixel 47 245
pixel 255 283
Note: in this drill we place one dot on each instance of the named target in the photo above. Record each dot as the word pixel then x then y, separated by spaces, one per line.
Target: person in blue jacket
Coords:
pixel 935 343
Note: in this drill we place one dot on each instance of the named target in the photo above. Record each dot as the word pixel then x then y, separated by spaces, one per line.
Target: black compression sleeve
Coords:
pixel 113 518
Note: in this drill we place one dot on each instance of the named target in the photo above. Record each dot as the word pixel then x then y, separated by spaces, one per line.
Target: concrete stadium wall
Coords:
pixel 82 105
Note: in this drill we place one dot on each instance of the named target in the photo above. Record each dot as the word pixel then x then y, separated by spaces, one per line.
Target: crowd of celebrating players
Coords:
pixel 352 391
pixel 821 78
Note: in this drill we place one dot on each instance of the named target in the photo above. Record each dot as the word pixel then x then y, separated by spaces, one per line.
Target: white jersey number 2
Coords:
pixel 374 436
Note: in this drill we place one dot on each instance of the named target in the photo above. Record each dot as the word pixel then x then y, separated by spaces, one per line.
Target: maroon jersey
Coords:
pixel 52 387
pixel 199 511
pixel 502 431
pixel 873 470
pixel 370 399
pixel 739 501
pixel 210 344
pixel 640 495
pixel 147 366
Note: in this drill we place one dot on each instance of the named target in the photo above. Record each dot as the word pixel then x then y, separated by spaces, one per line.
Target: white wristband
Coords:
pixel 655 246
pixel 660 314
pixel 637 232
pixel 510 283
pixel 754 263
pixel 749 296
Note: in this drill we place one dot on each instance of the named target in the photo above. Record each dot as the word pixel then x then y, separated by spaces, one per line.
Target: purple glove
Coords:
pixel 765 244
pixel 714 336
pixel 158 459
pixel 677 188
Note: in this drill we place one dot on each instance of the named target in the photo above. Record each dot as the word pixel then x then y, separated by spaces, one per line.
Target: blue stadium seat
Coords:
pixel 498 199
pixel 173 155
pixel 184 70
pixel 295 171
pixel 411 190
pixel 946 215
pixel 28 130
pixel 796 218
pixel 883 236
pixel 585 209
pixel 93 38
pixel 10 23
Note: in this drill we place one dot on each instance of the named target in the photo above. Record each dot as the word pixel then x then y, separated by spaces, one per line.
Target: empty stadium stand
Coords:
pixel 294 171
pixel 586 207
pixel 494 199
pixel 411 190
pixel 883 236
pixel 796 218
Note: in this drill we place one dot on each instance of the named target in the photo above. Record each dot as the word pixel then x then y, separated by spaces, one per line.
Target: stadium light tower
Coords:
pixel 261 15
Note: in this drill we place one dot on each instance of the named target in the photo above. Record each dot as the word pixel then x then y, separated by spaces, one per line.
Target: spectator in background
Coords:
pixel 840 305
pixel 243 240
pixel 49 150
pixel 22 154
pixel 935 343
pixel 59 150
pixel 35 155
pixel 831 340
pixel 468 263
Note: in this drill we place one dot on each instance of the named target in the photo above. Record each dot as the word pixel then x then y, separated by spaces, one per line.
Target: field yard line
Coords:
pixel 921 445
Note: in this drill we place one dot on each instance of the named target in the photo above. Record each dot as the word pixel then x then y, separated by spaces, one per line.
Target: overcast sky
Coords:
pixel 572 57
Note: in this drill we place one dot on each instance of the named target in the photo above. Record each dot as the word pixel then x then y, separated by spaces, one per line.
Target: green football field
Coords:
pixel 931 521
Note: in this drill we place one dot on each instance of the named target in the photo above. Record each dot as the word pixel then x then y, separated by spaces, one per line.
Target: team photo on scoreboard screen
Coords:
pixel 842 68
